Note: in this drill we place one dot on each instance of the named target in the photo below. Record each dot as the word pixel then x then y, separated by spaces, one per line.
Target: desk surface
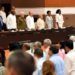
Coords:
pixel 32 36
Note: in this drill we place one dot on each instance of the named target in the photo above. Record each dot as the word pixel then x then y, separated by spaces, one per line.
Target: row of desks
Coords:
pixel 32 36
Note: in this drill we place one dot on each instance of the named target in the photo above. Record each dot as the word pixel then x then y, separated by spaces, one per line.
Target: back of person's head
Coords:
pixel 38 52
pixel 37 44
pixel 54 49
pixel 26 46
pixel 69 44
pixel 19 63
pixel 48 68
pixel 62 44
pixel 14 46
pixel 48 42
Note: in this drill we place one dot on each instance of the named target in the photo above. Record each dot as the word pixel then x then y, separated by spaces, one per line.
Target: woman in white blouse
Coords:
pixel 49 20
pixel 59 19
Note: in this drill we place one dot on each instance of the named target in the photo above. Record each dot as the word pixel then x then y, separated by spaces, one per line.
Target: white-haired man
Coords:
pixel 30 21
pixel 46 45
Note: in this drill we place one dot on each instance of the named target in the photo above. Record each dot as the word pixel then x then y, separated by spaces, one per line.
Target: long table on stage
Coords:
pixel 32 36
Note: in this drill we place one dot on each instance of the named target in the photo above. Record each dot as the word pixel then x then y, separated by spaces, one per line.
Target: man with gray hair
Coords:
pixel 48 42
pixel 37 44
pixel 46 45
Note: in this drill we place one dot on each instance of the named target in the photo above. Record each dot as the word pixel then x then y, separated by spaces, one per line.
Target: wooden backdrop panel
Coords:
pixel 59 3
pixel 41 3
pixel 28 3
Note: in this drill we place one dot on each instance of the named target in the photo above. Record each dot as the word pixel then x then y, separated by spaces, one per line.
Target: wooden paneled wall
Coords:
pixel 59 3
pixel 41 3
pixel 26 3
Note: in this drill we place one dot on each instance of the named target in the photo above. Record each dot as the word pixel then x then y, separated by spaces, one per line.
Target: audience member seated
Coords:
pixel 38 55
pixel 30 21
pixel 48 68
pixel 49 20
pixel 21 23
pixel 70 58
pixel 19 63
pixel 40 23
pixel 57 60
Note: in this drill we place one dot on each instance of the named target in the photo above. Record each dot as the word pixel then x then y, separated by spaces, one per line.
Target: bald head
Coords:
pixel 41 16
pixel 20 63
pixel 30 13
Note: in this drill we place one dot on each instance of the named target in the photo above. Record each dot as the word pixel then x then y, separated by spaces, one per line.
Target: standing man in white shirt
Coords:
pixel 40 23
pixel 11 20
pixel 30 21
pixel 59 19
pixel 3 15
pixel 49 20
pixel 70 58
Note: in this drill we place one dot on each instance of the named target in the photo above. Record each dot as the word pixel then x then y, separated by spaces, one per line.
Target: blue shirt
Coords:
pixel 59 64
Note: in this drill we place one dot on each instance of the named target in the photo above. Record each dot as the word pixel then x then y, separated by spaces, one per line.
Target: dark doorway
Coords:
pixel 7 7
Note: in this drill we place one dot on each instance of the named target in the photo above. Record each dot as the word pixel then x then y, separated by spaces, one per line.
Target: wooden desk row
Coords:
pixel 32 36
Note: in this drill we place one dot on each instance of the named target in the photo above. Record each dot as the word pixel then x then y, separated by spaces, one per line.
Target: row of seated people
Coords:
pixel 22 23
pixel 46 59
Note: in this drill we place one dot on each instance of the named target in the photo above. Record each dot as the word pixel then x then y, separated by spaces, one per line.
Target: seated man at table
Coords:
pixel 30 21
pixel 40 23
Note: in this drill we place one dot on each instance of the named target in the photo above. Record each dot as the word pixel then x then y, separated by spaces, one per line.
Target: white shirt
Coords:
pixel 74 44
pixel 3 14
pixel 49 21
pixel 11 22
pixel 29 52
pixel 40 24
pixel 70 63
pixel 59 20
pixel 30 22
pixel 39 64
